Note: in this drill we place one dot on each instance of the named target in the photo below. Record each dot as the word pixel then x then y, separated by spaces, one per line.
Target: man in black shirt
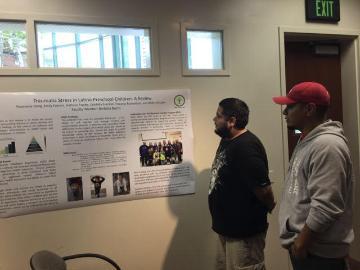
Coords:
pixel 240 194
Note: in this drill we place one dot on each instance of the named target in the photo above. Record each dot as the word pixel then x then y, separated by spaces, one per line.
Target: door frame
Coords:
pixel 350 73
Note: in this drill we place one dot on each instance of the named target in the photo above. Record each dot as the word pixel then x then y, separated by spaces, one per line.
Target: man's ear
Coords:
pixel 310 109
pixel 232 121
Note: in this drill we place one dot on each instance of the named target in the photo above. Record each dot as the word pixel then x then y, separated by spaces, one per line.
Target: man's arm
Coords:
pixel 327 186
pixel 266 196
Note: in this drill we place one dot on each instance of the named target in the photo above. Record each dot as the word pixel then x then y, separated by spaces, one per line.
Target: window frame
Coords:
pixel 34 69
pixel 186 71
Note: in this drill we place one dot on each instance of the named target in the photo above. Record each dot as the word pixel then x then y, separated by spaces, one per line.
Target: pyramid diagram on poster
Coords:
pixel 34 146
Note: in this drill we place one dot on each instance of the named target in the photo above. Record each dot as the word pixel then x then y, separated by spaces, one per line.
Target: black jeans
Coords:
pixel 313 262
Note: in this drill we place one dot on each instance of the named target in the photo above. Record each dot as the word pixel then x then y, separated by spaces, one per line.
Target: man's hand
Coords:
pixel 301 244
pixel 271 207
pixel 298 250
pixel 266 196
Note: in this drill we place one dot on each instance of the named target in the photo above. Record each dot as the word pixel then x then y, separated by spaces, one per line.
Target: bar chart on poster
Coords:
pixel 7 146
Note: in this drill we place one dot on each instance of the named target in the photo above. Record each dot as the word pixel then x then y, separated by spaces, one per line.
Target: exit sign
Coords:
pixel 322 10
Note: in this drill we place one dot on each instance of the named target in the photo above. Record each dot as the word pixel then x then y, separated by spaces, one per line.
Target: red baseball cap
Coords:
pixel 305 92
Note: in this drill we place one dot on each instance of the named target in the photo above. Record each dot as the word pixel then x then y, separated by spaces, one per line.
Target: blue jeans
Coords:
pixel 313 262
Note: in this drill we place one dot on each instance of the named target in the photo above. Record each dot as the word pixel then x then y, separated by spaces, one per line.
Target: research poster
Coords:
pixel 69 149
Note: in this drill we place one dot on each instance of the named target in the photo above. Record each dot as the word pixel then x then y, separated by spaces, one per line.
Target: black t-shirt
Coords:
pixel 240 165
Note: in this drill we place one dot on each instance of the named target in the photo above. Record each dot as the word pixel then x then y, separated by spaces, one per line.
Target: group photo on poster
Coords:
pixel 161 151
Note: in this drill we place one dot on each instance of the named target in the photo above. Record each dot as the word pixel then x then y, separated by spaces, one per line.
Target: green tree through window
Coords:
pixel 13 47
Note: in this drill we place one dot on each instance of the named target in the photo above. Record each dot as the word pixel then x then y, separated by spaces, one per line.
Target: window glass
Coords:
pixel 89 55
pixel 65 52
pixel 46 48
pixel 145 51
pixel 108 51
pixel 80 46
pixel 205 49
pixel 13 47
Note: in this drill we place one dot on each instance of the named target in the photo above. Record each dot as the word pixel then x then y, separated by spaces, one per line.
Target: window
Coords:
pixel 204 51
pixel 13 47
pixel 83 46
pixel 42 45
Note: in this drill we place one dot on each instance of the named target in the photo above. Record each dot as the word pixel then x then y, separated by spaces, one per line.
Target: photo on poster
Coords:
pixel 121 183
pixel 160 148
pixel 74 188
pixel 96 190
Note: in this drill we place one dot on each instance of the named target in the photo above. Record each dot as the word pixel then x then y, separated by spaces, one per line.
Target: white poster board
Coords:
pixel 69 149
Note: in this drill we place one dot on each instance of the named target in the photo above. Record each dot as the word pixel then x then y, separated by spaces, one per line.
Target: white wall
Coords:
pixel 169 233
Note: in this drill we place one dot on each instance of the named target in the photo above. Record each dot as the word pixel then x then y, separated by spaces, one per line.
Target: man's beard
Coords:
pixel 223 132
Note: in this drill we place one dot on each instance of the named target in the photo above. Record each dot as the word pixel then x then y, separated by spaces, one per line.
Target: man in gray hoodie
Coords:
pixel 316 209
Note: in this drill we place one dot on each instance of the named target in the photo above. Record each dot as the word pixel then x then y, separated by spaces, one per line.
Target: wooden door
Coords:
pixel 302 64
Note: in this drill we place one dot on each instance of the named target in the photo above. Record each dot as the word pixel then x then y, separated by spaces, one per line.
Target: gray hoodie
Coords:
pixel 318 191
